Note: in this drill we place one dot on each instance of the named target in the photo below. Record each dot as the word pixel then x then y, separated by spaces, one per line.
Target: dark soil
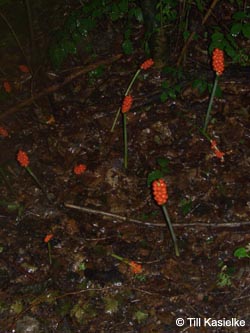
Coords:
pixel 86 289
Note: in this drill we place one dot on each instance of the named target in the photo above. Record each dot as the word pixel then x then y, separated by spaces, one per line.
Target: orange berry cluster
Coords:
pixel 136 268
pixel 218 61
pixel 48 238
pixel 219 154
pixel 23 158
pixel 147 64
pixel 160 191
pixel 79 169
pixel 127 103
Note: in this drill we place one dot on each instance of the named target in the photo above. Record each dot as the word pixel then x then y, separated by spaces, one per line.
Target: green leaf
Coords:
pixel 165 85
pixel 186 206
pixel 164 96
pixel 217 37
pixel 162 161
pixel 246 30
pixel 140 316
pixel 218 92
pixel 69 46
pixel 230 51
pixel 200 5
pixel 57 55
pixel 156 174
pixel 136 13
pixel 127 46
pixel 241 253
pixel 115 12
pixel 239 16
pixel 123 6
pixel 236 29
pixel 186 34
pixel 200 84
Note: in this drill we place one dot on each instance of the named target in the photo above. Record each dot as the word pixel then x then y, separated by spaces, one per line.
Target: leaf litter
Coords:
pixel 78 286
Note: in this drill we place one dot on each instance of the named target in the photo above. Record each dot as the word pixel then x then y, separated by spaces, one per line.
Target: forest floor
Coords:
pixel 109 211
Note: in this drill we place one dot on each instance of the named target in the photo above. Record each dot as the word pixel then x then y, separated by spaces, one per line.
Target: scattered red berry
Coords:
pixel 23 158
pixel 136 268
pixel 24 68
pixel 127 103
pixel 147 64
pixel 48 238
pixel 219 154
pixel 3 132
pixel 79 169
pixel 7 86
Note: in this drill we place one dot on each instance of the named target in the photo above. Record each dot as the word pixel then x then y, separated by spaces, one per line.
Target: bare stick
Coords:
pixel 152 224
pixel 57 86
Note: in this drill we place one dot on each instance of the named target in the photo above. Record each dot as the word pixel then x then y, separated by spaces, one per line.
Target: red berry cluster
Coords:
pixel 147 64
pixel 160 191
pixel 219 154
pixel 127 103
pixel 23 158
pixel 79 169
pixel 218 61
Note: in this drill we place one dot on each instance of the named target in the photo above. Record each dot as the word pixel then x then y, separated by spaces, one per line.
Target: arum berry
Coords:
pixel 127 103
pixel 24 68
pixel 23 158
pixel 160 194
pixel 3 132
pixel 147 64
pixel 136 268
pixel 48 238
pixel 144 66
pixel 79 169
pixel 7 86
pixel 219 154
pixel 218 61
pixel 218 66
pixel 160 191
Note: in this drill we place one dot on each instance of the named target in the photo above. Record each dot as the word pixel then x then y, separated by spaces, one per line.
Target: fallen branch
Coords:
pixel 57 86
pixel 151 224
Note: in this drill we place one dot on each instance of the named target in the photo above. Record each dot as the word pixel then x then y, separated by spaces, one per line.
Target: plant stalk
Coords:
pixel 126 93
pixel 210 103
pixel 125 136
pixel 177 253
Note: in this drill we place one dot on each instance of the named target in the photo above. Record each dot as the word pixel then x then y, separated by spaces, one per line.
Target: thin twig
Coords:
pixel 57 86
pixel 15 37
pixel 152 224
pixel 191 36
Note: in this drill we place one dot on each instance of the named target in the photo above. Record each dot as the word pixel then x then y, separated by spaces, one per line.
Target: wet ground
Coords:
pixel 75 282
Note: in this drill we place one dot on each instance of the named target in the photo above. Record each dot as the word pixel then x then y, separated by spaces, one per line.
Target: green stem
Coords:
pixel 37 181
pixel 125 136
pixel 126 93
pixel 49 251
pixel 120 258
pixel 117 257
pixel 205 134
pixel 210 103
pixel 177 253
